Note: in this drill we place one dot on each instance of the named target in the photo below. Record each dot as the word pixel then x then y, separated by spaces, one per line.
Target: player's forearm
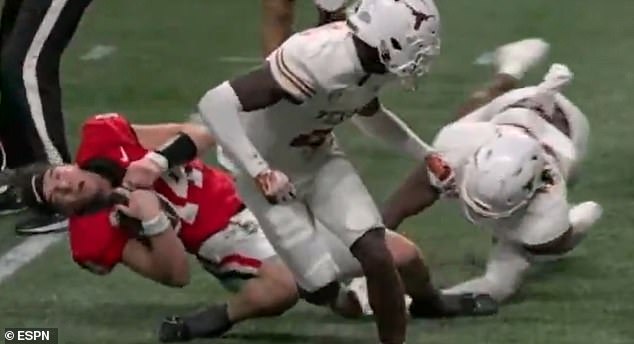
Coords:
pixel 220 108
pixel 277 23
pixel 387 127
pixel 413 196
pixel 153 136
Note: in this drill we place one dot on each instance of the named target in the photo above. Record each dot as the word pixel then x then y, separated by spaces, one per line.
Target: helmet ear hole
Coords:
pixel 365 17
pixel 395 44
pixel 528 186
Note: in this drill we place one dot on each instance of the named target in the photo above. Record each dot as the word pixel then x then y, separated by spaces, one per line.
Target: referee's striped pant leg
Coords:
pixel 29 80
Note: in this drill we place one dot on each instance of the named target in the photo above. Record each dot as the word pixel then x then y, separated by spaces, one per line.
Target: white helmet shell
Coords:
pixel 405 32
pixel 503 175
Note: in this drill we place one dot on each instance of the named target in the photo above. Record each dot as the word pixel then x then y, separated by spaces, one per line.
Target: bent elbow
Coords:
pixel 210 103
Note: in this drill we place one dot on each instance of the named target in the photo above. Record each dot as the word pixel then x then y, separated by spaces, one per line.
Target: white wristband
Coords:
pixel 159 160
pixel 157 225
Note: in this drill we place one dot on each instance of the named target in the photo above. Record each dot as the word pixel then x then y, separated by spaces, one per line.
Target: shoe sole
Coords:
pixel 11 211
pixel 52 228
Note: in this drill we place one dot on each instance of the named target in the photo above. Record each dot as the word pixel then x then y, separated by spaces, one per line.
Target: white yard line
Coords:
pixel 98 52
pixel 240 59
pixel 25 252
pixel 485 59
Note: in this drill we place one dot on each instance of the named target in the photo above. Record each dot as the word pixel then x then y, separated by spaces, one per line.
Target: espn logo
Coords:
pixel 30 335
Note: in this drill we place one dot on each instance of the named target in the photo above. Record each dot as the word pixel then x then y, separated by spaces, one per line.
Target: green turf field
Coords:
pixel 169 52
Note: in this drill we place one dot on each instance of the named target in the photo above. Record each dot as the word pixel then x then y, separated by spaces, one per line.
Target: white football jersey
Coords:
pixel 544 219
pixel 319 67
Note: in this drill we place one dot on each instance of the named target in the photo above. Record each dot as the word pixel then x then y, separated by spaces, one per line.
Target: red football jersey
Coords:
pixel 204 197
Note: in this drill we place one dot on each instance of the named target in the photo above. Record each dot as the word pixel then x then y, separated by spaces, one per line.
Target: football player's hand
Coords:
pixel 142 204
pixel 441 175
pixel 141 174
pixel 330 5
pixel 275 186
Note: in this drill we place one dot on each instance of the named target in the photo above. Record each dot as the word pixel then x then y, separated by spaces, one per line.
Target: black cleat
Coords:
pixel 10 202
pixel 173 330
pixel 211 322
pixel 41 223
pixel 476 305
pixel 460 305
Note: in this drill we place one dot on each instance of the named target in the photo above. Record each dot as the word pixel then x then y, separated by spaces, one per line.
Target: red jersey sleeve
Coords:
pixel 104 135
pixel 95 243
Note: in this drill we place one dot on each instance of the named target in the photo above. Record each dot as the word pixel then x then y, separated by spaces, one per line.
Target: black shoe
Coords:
pixel 173 330
pixel 476 305
pixel 41 223
pixel 10 203
pixel 210 322
pixel 448 306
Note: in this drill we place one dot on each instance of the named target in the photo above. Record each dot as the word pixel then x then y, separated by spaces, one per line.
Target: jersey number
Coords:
pixel 179 181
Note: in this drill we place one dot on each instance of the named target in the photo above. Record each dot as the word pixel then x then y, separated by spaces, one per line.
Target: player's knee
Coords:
pixel 371 250
pixel 282 291
pixel 404 251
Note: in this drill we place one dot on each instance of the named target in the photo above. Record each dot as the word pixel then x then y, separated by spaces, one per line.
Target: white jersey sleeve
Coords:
pixel 312 61
pixel 546 218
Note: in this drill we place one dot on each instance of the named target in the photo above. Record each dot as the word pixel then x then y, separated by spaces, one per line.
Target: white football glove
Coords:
pixel 330 5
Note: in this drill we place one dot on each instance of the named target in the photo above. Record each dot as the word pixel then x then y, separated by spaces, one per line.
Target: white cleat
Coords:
pixel 584 215
pixel 353 301
pixel 516 58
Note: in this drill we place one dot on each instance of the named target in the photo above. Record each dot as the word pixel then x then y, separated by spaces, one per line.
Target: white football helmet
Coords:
pixel 405 32
pixel 502 176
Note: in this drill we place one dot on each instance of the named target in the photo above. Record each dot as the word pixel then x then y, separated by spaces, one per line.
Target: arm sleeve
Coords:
pixel 391 130
pixel 220 108
pixel 96 244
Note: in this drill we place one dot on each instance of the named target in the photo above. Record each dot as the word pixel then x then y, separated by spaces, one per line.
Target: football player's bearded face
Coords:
pixel 70 188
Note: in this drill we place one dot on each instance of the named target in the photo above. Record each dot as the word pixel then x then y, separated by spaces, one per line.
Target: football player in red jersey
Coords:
pixel 212 223
pixel 194 209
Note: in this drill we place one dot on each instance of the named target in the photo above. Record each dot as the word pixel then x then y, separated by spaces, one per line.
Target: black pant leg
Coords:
pixel 10 11
pixel 29 80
